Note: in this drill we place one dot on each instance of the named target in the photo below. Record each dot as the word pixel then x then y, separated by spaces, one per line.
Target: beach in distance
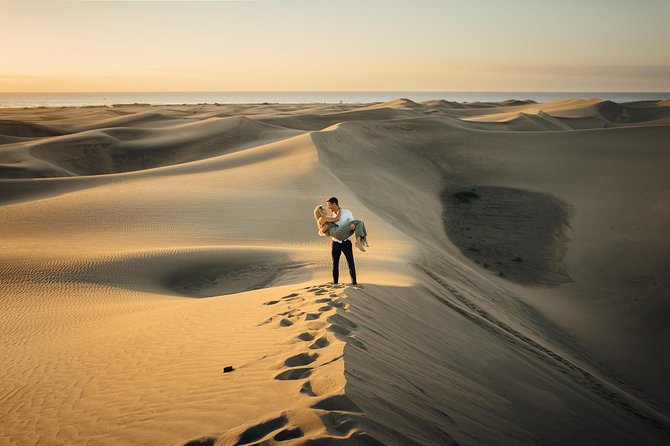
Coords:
pixel 162 281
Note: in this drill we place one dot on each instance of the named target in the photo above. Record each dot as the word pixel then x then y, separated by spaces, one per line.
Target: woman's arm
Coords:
pixel 332 219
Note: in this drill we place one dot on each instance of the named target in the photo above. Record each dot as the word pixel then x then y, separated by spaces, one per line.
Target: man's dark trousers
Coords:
pixel 338 249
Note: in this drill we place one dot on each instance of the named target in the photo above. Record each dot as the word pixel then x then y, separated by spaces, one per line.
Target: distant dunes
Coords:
pixel 131 146
pixel 145 140
pixel 579 114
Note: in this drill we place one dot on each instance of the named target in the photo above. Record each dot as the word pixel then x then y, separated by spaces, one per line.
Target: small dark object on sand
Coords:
pixel 466 196
pixel 228 368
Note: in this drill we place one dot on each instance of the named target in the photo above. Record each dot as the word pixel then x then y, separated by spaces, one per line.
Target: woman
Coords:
pixel 327 226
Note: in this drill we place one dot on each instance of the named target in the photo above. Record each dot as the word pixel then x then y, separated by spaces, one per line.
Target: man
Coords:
pixel 342 246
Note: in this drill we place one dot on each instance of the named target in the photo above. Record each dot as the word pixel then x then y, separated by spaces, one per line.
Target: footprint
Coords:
pixel 340 403
pixel 207 441
pixel 301 359
pixel 307 389
pixel 322 300
pixel 337 423
pixel 306 336
pixel 316 325
pixel 293 374
pixel 338 319
pixel 291 295
pixel 312 316
pixel 358 343
pixel 285 323
pixel 272 302
pixel 325 308
pixel 292 313
pixel 260 430
pixel 320 343
pixel 339 330
pixel 318 386
pixel 333 295
pixel 289 434
pixel 337 303
pixel 266 321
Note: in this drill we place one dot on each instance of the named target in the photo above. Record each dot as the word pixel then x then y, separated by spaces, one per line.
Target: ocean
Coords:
pixel 240 97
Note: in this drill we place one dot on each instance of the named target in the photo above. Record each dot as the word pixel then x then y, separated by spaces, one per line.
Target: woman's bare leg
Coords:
pixel 318 217
pixel 359 243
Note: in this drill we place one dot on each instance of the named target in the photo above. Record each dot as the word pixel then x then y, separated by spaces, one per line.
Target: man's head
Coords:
pixel 333 204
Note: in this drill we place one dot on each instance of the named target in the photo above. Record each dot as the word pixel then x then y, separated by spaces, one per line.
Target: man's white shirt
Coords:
pixel 345 217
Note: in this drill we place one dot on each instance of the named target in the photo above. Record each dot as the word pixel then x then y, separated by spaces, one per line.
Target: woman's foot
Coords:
pixel 359 246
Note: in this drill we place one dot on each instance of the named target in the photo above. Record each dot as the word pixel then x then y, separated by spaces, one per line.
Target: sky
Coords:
pixel 336 45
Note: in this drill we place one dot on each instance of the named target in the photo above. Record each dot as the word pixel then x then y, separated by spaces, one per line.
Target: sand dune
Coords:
pixel 515 290
pixel 582 114
pixel 24 129
pixel 401 104
pixel 443 103
pixel 122 149
pixel 321 121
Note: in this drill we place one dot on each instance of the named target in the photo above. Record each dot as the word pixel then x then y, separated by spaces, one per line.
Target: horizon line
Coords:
pixel 338 91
